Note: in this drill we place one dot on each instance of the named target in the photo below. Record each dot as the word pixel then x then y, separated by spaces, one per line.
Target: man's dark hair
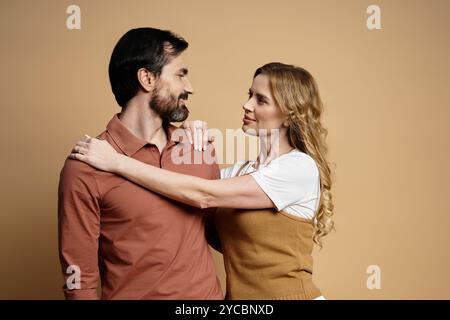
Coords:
pixel 140 48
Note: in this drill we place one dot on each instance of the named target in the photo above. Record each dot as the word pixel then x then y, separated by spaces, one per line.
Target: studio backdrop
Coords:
pixel 383 72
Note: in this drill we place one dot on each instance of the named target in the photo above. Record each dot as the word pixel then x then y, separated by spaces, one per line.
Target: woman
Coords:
pixel 278 206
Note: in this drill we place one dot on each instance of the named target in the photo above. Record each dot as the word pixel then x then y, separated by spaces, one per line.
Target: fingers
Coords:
pixel 205 135
pixel 194 134
pixel 189 134
pixel 197 134
pixel 77 156
pixel 86 138
pixel 199 128
pixel 83 144
pixel 188 130
pixel 80 150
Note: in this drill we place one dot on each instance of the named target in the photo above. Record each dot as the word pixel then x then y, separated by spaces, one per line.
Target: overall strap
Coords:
pixel 241 168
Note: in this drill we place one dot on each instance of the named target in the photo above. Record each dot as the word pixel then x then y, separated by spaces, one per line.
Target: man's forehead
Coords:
pixel 176 64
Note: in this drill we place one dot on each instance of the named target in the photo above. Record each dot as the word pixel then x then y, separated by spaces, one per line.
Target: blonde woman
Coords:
pixel 277 209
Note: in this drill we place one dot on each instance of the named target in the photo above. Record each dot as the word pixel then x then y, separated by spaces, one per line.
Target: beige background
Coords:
pixel 387 112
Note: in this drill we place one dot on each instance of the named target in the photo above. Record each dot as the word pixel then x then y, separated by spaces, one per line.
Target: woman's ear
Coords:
pixel 146 79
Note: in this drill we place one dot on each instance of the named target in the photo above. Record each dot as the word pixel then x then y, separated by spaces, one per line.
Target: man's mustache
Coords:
pixel 183 96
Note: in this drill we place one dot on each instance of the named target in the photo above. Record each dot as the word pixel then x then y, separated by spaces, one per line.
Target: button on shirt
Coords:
pixel 139 243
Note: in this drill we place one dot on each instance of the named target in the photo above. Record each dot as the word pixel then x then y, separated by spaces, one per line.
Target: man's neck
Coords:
pixel 145 124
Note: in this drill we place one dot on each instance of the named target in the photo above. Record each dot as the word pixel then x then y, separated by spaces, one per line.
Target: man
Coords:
pixel 140 244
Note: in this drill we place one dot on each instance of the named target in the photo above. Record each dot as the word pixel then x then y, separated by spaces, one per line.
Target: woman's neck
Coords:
pixel 271 148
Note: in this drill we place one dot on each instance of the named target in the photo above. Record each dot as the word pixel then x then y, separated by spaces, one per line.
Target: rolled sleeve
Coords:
pixel 79 229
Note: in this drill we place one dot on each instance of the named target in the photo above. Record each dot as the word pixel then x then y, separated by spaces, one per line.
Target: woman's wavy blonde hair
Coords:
pixel 296 93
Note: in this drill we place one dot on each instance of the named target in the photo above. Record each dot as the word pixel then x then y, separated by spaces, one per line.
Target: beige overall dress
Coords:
pixel 267 254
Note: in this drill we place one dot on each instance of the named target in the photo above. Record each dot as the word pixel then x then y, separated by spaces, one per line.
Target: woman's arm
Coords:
pixel 239 192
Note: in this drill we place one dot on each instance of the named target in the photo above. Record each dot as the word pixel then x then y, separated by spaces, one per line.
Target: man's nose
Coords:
pixel 188 86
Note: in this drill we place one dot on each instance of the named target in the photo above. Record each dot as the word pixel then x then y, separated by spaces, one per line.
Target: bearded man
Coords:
pixel 135 243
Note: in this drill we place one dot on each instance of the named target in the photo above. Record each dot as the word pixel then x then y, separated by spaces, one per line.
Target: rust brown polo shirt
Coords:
pixel 142 245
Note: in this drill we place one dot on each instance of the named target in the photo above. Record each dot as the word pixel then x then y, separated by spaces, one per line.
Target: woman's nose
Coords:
pixel 247 106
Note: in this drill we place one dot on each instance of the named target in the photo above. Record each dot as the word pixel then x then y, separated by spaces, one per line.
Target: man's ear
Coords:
pixel 146 79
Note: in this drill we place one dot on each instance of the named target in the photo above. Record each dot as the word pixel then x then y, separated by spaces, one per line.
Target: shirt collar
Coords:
pixel 128 142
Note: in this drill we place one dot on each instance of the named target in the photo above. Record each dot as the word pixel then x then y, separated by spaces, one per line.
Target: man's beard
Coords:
pixel 168 108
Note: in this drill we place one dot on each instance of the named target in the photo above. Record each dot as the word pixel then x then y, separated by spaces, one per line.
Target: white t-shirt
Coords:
pixel 291 181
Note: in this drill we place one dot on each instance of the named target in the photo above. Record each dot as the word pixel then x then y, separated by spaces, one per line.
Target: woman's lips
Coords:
pixel 247 120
